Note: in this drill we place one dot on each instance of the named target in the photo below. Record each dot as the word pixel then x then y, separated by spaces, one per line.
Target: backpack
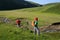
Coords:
pixel 33 23
pixel 18 21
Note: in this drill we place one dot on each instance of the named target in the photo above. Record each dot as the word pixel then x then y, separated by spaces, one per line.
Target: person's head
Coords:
pixel 36 18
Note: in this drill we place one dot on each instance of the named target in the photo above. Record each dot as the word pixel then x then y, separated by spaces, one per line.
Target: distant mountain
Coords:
pixel 16 4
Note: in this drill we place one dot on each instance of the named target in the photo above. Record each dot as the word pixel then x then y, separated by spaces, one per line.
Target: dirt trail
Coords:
pixel 26 24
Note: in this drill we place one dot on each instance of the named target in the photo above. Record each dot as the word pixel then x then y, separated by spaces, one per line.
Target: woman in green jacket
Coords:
pixel 36 29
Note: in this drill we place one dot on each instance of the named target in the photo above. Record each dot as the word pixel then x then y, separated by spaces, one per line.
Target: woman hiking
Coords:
pixel 35 25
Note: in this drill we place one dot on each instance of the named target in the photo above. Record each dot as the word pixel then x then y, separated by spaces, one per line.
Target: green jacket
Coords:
pixel 36 23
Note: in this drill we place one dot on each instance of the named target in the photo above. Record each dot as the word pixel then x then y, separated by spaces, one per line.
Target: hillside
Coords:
pixel 15 4
pixel 48 8
pixel 41 12
pixel 53 8
pixel 9 31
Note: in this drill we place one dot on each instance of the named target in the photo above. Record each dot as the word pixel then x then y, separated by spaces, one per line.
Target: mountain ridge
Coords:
pixel 15 4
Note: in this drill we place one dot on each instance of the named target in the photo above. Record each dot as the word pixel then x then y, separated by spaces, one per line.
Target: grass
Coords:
pixel 11 32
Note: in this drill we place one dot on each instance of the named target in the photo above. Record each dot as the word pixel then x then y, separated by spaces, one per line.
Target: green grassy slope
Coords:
pixel 48 8
pixel 11 32
pixel 45 16
pixel 54 8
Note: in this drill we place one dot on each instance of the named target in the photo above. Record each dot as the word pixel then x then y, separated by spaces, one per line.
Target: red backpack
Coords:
pixel 18 21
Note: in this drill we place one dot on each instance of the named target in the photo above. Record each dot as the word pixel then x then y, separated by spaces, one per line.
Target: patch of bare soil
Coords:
pixel 4 20
pixel 54 27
